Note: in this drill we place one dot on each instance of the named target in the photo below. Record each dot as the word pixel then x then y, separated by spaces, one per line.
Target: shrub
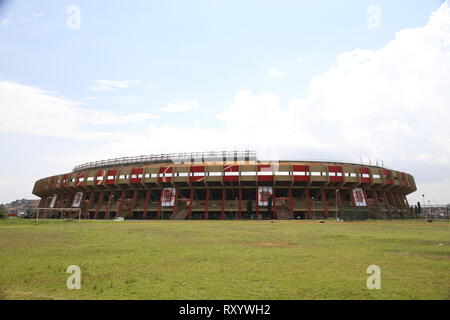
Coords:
pixel 3 213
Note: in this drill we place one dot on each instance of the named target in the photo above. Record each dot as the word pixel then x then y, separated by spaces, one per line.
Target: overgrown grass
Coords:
pixel 224 259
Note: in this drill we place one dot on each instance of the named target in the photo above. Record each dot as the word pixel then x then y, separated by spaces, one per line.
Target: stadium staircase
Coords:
pixel 282 210
pixel 124 209
pixel 180 214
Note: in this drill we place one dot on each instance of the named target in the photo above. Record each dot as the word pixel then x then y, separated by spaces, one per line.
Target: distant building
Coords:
pixel 21 207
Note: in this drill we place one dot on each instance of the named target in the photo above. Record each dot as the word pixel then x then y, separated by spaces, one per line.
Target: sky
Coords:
pixel 355 80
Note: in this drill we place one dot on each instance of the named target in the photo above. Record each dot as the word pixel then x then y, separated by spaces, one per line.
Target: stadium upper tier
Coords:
pixel 215 169
pixel 223 185
pixel 187 157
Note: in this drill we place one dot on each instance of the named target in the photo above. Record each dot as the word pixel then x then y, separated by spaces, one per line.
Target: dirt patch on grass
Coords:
pixel 275 244
pixel 413 242
pixel 267 244
pixel 23 295
pixel 426 255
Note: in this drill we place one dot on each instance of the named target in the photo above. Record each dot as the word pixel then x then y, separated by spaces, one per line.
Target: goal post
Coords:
pixel 60 210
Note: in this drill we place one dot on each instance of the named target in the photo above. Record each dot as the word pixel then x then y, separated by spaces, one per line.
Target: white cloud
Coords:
pixel 6 21
pixel 18 186
pixel 250 118
pixel 433 159
pixel 126 100
pixel 274 73
pixel 97 117
pixel 301 60
pixel 395 127
pixel 26 109
pixel 110 85
pixel 14 18
pixel 181 106
pixel 151 85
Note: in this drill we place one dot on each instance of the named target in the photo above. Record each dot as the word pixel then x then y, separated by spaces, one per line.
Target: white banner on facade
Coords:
pixel 360 199
pixel 77 199
pixel 263 195
pixel 168 197
pixel 52 204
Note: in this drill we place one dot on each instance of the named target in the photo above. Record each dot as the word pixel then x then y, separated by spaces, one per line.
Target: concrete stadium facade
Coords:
pixel 223 185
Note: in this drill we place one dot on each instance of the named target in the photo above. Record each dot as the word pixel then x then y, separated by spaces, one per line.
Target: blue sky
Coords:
pixel 132 62
pixel 205 49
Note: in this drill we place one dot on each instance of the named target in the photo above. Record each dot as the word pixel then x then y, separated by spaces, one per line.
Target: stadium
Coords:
pixel 224 185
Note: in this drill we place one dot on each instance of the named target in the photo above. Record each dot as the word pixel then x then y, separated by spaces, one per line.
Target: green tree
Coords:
pixel 2 211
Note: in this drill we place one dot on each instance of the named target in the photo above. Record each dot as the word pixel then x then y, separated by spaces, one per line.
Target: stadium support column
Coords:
pixel 308 201
pixel 398 205
pixel 91 199
pixel 72 198
pixel 175 202
pixel 99 202
pixel 133 204
pixel 57 202
pixel 47 202
pixel 339 198
pixel 392 200
pixel 222 215
pixel 386 200
pixel 377 201
pixel 367 199
pixel 41 203
pixel 147 200
pixel 395 200
pixel 69 200
pixel 240 203
pixel 109 205
pixel 291 203
pixel 352 197
pixel 401 204
pixel 405 200
pixel 83 206
pixel 205 216
pixel 339 204
pixel 120 204
pixel 257 203
pixel 274 207
pixel 191 198
pixel 369 212
pixel 158 214
pixel 324 200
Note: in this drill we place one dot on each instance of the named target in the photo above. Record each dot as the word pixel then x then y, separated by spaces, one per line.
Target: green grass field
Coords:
pixel 224 259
